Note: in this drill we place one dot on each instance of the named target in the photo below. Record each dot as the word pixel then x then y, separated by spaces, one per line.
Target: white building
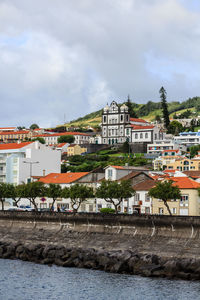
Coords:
pixel 52 138
pixel 161 145
pixel 188 138
pixel 20 161
pixel 118 127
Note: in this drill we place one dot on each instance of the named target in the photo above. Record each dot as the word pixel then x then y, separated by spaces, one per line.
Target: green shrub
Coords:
pixel 107 210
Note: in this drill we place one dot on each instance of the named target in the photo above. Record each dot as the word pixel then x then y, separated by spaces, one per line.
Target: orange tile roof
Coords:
pixel 185 183
pixel 14 132
pixel 170 150
pixel 138 120
pixel 61 145
pixel 117 167
pixel 60 178
pixel 138 127
pixel 14 145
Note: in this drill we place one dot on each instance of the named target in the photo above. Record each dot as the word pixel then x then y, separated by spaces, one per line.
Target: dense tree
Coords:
pixel 18 193
pixel 114 192
pixel 32 190
pixel 6 191
pixel 66 139
pixel 40 139
pixel 163 97
pixel 130 108
pixel 175 127
pixel 125 148
pixel 158 119
pixel 165 191
pixel 53 191
pixel 78 193
pixel 34 126
pixel 194 150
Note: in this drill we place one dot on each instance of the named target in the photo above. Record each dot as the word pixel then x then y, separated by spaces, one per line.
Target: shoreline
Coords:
pixel 116 261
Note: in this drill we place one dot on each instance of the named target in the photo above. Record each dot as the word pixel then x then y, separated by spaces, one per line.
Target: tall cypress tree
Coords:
pixel 163 97
pixel 130 108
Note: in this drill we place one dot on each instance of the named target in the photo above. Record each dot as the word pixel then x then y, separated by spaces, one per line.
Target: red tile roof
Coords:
pixel 61 145
pixel 14 132
pixel 170 150
pixel 185 183
pixel 138 127
pixel 60 178
pixel 138 120
pixel 117 167
pixel 193 174
pixel 14 145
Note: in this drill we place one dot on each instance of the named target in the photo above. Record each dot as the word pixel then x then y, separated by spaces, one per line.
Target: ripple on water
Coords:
pixel 27 281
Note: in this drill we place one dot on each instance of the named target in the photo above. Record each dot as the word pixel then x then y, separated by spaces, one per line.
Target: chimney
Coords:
pixel 43 172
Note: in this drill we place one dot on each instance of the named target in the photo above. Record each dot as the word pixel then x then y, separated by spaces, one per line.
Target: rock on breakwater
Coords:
pixel 117 261
pixel 143 245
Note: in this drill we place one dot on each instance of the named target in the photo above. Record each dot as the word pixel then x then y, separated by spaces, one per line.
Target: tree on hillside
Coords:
pixel 53 191
pixel 194 150
pixel 114 193
pixel 175 127
pixel 32 190
pixel 40 139
pixel 165 191
pixel 158 119
pixel 130 108
pixel 78 193
pixel 34 126
pixel 163 97
pixel 66 139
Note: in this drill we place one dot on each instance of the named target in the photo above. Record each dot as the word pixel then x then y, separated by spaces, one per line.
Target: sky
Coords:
pixel 60 60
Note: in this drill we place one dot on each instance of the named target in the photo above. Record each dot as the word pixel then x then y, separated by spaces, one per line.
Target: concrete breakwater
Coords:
pixel 144 245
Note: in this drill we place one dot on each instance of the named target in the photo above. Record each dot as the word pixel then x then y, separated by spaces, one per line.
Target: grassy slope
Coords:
pixel 94 119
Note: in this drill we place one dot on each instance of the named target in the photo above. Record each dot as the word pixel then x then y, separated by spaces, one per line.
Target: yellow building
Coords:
pixel 13 136
pixel 172 161
pixel 188 205
pixel 75 149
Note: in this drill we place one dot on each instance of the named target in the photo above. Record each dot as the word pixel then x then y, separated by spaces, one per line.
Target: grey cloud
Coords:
pixel 72 57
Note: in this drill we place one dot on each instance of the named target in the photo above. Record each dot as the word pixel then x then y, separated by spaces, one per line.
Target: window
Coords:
pixel 136 136
pixel 83 207
pixel 161 211
pixel 109 173
pixel 91 208
pixel 127 131
pixel 137 197
pixel 127 118
pixel 147 197
pixel 146 135
pixel 184 200
pixel 104 119
pixel 155 136
pixel 147 210
pixel 109 206
pixel 173 210
pixel 141 135
pixel 121 118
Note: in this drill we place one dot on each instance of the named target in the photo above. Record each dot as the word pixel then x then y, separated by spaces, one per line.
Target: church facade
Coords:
pixel 118 127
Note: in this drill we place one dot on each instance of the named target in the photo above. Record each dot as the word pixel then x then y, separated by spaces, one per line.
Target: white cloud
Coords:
pixel 72 57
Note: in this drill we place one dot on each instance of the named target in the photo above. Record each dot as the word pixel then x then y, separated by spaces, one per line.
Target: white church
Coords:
pixel 118 127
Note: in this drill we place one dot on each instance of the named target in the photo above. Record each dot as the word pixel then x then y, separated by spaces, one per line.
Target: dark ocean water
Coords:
pixel 27 281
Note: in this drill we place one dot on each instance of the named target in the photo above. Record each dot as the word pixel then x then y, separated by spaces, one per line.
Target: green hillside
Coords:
pixel 146 111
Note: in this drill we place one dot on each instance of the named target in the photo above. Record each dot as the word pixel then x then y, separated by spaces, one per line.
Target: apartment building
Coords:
pixel 20 161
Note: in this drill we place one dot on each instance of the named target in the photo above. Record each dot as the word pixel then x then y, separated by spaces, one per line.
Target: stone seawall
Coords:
pixel 146 245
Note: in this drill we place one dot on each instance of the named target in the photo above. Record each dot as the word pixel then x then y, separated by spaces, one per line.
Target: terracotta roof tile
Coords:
pixel 60 178
pixel 14 145
pixel 185 183
pixel 138 120
pixel 138 127
pixel 144 185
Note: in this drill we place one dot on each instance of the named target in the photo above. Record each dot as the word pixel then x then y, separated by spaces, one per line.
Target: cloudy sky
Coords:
pixel 70 58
